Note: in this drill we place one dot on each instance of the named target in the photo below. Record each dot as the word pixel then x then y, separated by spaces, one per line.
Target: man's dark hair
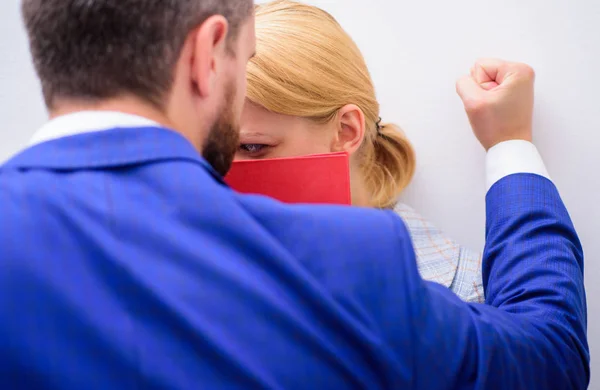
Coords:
pixel 97 49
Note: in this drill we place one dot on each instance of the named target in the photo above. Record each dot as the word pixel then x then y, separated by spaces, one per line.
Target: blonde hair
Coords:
pixel 308 66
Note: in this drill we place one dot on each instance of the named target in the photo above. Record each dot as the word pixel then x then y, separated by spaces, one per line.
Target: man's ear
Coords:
pixel 350 125
pixel 209 48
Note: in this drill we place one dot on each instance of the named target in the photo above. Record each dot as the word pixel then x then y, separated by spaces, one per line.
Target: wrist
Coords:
pixel 521 136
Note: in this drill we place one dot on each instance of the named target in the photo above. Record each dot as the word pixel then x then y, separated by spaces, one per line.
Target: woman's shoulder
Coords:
pixel 420 227
pixel 440 258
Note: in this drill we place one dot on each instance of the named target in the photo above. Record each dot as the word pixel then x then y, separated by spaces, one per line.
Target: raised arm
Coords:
pixel 531 334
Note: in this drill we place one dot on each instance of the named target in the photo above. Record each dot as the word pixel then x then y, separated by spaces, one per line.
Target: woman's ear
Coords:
pixel 350 126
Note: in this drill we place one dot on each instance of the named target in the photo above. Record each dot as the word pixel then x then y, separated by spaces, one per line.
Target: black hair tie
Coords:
pixel 379 126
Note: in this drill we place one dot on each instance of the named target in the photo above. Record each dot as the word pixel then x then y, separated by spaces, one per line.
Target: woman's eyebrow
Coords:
pixel 253 134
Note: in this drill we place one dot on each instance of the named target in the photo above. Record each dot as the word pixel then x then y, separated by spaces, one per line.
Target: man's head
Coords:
pixel 183 59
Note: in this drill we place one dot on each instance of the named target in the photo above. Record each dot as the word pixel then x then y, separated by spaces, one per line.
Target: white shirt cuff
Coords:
pixel 510 157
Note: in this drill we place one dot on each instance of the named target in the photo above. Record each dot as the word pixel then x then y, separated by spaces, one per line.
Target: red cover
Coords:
pixel 322 178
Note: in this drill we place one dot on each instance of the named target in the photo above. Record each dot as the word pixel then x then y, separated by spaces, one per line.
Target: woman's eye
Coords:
pixel 253 148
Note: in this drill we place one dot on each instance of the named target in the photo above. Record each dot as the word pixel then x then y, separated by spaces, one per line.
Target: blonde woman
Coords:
pixel 309 91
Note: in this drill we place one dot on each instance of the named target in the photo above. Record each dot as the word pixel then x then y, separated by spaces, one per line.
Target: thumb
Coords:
pixel 468 89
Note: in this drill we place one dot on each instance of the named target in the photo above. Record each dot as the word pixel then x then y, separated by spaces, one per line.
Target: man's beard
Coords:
pixel 224 136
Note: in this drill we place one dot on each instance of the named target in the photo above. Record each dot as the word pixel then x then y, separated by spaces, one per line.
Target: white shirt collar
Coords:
pixel 85 122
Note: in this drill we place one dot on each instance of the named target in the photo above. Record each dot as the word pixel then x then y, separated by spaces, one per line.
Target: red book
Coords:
pixel 322 178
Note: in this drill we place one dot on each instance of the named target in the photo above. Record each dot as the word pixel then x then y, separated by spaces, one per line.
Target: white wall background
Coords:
pixel 416 50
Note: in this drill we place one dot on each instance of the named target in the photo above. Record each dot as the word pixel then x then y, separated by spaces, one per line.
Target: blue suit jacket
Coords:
pixel 126 263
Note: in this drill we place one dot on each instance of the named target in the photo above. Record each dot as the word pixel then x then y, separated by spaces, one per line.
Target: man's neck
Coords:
pixel 125 105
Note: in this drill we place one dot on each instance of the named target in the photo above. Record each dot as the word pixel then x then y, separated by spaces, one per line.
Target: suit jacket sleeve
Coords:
pixel 531 334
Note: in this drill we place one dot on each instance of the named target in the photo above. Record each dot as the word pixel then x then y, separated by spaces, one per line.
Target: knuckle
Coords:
pixel 527 71
pixel 483 60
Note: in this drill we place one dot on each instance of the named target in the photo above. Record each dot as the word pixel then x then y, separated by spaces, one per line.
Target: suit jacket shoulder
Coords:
pixel 364 258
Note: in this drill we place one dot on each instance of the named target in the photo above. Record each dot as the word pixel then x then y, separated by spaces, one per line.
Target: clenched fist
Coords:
pixel 498 99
